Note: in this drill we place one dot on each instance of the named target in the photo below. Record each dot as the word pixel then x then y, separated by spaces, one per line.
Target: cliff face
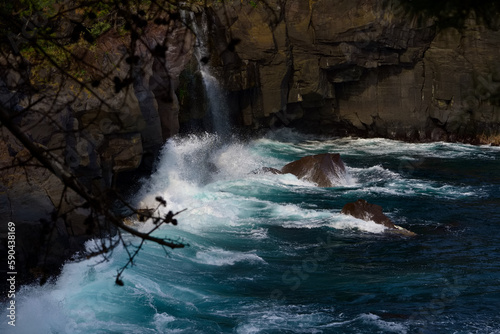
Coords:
pixel 356 67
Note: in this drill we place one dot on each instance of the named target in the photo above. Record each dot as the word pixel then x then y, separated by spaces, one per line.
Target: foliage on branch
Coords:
pixel 49 50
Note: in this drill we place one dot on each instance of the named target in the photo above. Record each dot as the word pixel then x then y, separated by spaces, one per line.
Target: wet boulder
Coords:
pixel 326 170
pixel 361 209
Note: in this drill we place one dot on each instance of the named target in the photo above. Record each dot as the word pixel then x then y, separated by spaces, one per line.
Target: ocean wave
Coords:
pixel 161 322
pixel 379 180
pixel 368 320
pixel 221 257
pixel 293 216
pixel 237 222
pixel 372 174
pixel 388 147
pixel 257 233
pixel 345 222
pixel 290 318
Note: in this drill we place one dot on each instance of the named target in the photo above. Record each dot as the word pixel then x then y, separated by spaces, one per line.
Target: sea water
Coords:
pixel 273 254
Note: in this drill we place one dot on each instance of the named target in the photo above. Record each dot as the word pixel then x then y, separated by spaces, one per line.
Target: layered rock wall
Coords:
pixel 356 67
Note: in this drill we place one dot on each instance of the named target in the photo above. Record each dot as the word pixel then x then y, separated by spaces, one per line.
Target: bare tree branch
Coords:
pixel 51 163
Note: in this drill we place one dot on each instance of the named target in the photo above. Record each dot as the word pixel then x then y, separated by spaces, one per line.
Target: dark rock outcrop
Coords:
pixel 326 170
pixel 361 209
pixel 357 67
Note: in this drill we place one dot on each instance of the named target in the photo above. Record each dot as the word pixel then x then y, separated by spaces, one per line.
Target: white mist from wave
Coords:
pixel 388 147
pixel 214 182
pixel 212 179
pixel 237 223
pixel 220 257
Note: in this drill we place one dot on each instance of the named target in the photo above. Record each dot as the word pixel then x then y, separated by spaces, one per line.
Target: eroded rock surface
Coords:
pixel 361 209
pixel 356 67
pixel 326 170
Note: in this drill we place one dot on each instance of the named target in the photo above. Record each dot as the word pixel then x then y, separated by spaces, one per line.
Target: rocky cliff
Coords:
pixel 359 67
pixel 114 125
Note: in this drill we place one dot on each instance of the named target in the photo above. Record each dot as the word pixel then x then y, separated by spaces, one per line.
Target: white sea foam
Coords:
pixel 38 311
pixel 221 257
pixel 292 212
pixel 292 318
pixel 258 233
pixel 211 179
pixel 373 321
pixel 384 147
pixel 293 216
pixel 373 173
pixel 386 326
pixel 161 321
pixel 345 222
pixel 237 160
pixel 378 180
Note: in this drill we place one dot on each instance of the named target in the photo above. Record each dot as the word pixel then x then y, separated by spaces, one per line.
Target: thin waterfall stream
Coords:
pixel 217 118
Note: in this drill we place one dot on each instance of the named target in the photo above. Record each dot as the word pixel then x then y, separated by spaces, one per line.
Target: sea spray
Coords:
pixel 251 234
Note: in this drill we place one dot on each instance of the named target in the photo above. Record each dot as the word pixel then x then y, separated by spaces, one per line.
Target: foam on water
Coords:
pixel 221 257
pixel 221 194
pixel 378 180
pixel 246 231
pixel 292 318
pixel 386 326
pixel 373 321
pixel 345 222
pixel 379 146
pixel 161 322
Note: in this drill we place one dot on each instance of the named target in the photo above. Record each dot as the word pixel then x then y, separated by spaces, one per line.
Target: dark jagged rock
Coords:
pixel 326 170
pixel 358 68
pixel 361 209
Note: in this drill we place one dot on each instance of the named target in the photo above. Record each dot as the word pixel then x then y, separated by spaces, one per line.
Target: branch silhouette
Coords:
pixel 54 58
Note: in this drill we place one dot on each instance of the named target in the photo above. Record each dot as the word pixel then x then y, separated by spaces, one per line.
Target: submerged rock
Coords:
pixel 326 170
pixel 361 209
pixel 266 170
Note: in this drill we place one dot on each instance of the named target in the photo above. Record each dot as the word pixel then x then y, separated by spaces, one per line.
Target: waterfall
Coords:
pixel 217 117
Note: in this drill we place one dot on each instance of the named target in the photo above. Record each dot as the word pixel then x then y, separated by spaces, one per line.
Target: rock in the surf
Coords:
pixel 326 170
pixel 361 209
pixel 266 170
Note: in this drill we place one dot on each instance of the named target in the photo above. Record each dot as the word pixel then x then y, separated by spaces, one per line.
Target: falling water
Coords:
pixel 217 117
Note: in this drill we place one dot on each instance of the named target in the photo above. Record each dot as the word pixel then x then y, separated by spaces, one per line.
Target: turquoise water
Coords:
pixel 273 254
